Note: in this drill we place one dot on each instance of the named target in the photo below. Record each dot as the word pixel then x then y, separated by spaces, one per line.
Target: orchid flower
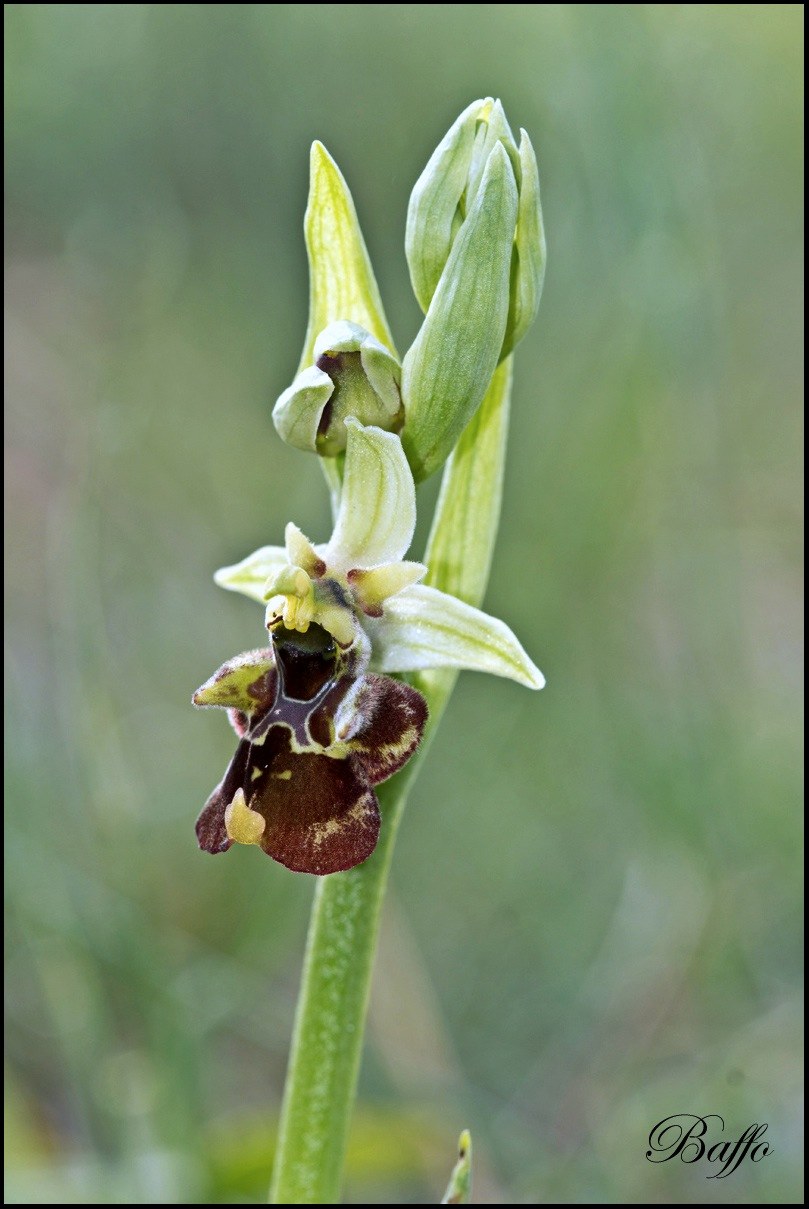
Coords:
pixel 318 725
pixel 361 590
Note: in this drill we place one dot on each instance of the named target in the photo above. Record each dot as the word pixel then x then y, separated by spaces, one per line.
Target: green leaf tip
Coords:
pixel 459 1189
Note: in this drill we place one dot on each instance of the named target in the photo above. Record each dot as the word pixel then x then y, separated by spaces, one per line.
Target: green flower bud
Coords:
pixel 528 266
pixel 448 368
pixel 353 375
pixel 444 195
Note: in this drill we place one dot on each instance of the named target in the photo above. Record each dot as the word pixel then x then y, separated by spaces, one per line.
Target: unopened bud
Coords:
pixel 448 368
pixel 443 197
pixel 353 375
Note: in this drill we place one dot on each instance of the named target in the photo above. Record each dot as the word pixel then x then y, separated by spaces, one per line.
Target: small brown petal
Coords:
pixel 396 715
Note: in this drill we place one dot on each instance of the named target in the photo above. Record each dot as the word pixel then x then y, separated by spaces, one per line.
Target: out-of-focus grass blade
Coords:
pixel 459 1188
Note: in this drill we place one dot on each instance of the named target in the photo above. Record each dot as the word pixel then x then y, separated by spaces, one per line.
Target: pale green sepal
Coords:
pixel 433 212
pixel 448 368
pixel 250 575
pixel 530 252
pixel 341 280
pixel 385 375
pixel 230 686
pixel 493 128
pixel 425 628
pixel 297 413
pixel 377 513
pixel 459 1188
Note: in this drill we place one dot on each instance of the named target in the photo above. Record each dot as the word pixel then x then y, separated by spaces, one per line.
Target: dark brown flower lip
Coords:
pixel 300 784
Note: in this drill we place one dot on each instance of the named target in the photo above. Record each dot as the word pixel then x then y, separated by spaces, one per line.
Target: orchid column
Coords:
pixel 365 645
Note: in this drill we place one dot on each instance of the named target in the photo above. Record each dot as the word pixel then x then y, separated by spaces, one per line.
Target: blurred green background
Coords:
pixel 594 920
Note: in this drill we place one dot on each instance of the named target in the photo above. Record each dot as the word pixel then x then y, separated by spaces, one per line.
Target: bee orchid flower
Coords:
pixel 313 741
pixel 319 721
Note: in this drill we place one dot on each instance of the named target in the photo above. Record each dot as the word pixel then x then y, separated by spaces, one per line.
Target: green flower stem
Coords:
pixel 330 1021
pixel 329 1026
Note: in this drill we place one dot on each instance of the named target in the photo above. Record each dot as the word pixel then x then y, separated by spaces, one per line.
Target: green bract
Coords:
pixel 353 375
pixel 476 250
pixel 341 280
